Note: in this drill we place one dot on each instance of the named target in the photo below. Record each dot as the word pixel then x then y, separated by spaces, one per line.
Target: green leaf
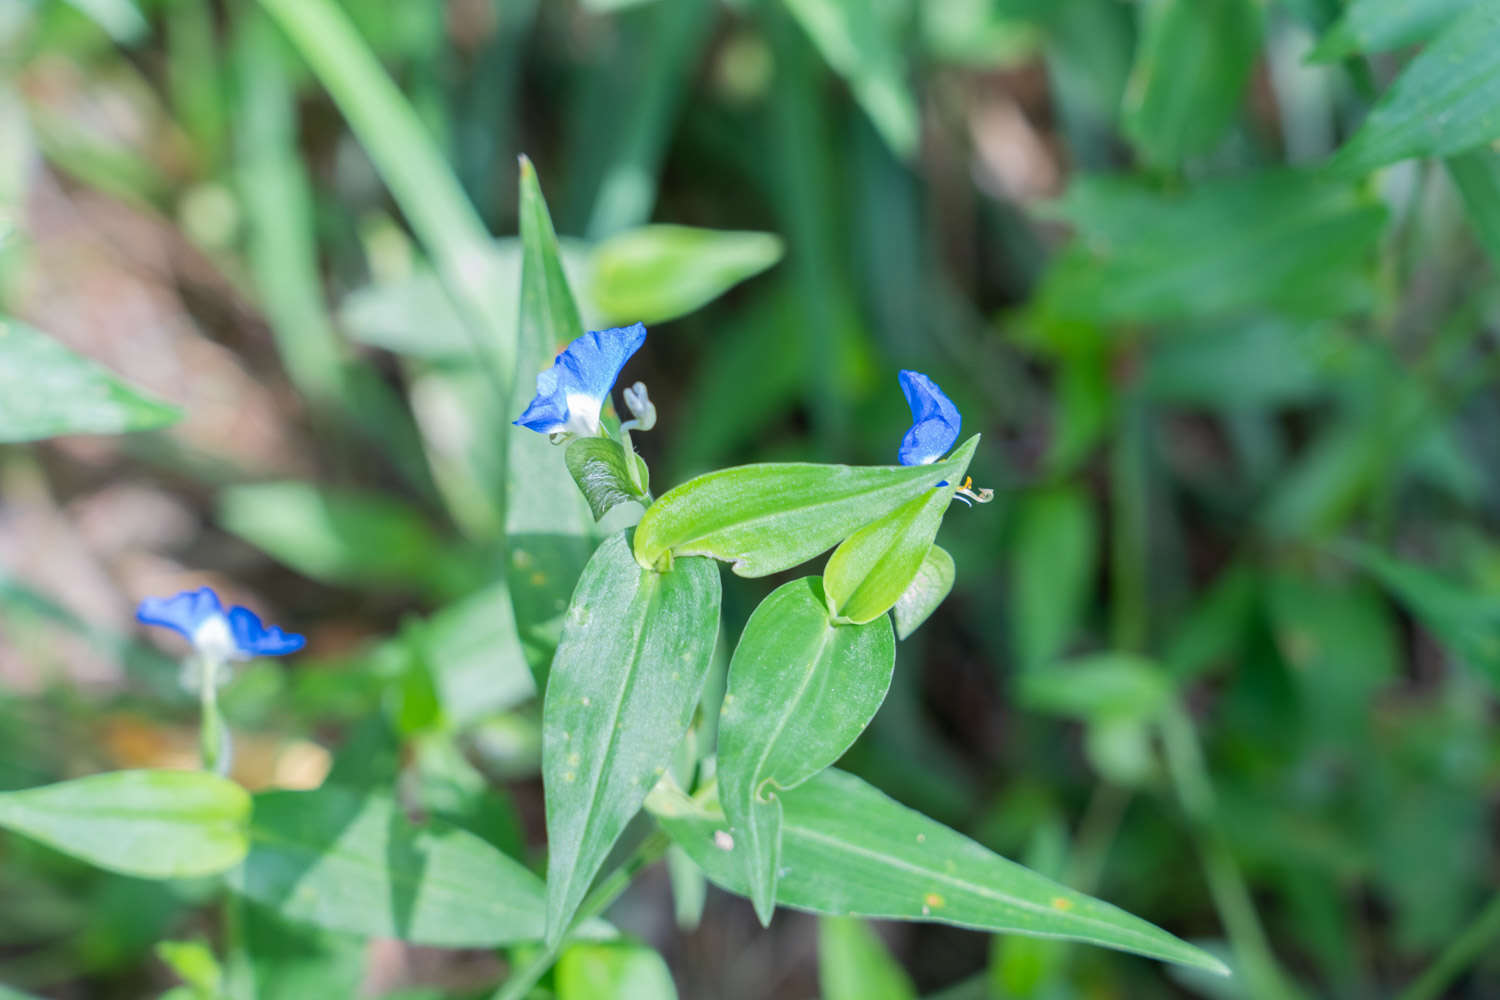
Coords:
pixel 1464 619
pixel 1275 239
pixel 151 824
pixel 473 654
pixel 848 849
pixel 767 518
pixel 1188 84
pixel 872 568
pixel 1476 174
pixel 342 537
pixel 548 312
pixel 656 273
pixel 412 165
pixel 1107 686
pixel 1052 570
pixel 281 960
pixel 635 651
pixel 853 963
pixel 121 19
pixel 864 42
pixel 801 689
pixel 46 390
pixel 1382 25
pixel 1446 101
pixel 928 589
pixel 598 467
pixel 349 861
pixel 195 964
pixel 1342 647
pixel 613 970
pixel 1259 363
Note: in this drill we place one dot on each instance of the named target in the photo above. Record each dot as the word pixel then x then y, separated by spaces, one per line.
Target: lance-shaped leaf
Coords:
pixel 847 848
pixel 871 569
pixel 928 589
pixel 1382 25
pixel 47 390
pixel 1443 103
pixel 657 273
pixel 347 861
pixel 548 525
pixel 151 824
pixel 801 689
pixel 767 518
pixel 598 467
pixel 635 650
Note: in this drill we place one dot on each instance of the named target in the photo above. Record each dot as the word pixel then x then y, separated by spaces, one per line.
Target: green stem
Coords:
pixel 1129 619
pixel 1461 952
pixel 1226 884
pixel 1096 834
pixel 210 722
pixel 596 902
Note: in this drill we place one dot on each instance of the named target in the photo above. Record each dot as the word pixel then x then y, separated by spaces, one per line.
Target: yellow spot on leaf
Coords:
pixel 933 900
pixel 1059 903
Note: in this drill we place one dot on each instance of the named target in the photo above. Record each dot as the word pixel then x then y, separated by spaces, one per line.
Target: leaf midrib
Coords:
pixel 952 881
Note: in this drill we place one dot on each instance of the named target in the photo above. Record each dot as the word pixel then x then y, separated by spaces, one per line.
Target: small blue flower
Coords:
pixel 935 421
pixel 236 634
pixel 570 394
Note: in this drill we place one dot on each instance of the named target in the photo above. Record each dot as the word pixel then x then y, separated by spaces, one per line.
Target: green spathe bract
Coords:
pixel 349 861
pixel 847 848
pixel 801 689
pixel 634 653
pixel 926 591
pixel 871 569
pixel 151 824
pixel 771 517
pixel 598 467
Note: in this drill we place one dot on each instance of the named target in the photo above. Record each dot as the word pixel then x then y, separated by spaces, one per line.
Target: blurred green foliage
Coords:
pixel 1216 279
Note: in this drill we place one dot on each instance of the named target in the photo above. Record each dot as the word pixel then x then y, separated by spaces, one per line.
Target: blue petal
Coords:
pixel 182 613
pixel 585 371
pixel 935 420
pixel 256 639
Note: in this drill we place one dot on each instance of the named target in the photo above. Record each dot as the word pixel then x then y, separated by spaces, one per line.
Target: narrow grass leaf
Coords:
pixel 1189 80
pixel 864 43
pixel 1476 174
pixel 1368 26
pixel 1446 101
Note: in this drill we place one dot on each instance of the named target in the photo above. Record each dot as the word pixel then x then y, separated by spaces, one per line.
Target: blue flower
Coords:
pixel 570 394
pixel 217 634
pixel 935 421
